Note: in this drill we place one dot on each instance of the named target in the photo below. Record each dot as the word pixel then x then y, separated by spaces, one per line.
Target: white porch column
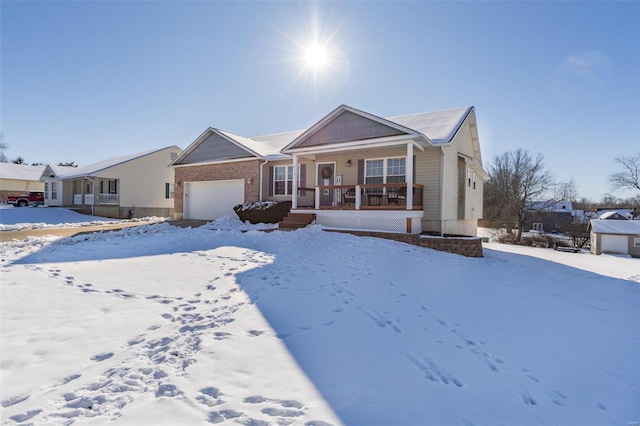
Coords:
pixel 358 197
pixel 408 172
pixel 294 196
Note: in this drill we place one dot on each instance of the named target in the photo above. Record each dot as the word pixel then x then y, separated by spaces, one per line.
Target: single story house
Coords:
pixel 615 236
pixel 352 170
pixel 134 185
pixel 17 179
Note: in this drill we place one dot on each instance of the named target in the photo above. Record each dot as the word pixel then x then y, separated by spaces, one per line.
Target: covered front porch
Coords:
pixel 95 191
pixel 368 187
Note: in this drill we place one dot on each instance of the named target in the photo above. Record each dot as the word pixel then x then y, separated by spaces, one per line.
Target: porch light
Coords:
pixel 348 163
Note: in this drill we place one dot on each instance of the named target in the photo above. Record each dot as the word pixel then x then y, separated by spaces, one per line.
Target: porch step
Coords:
pixel 296 220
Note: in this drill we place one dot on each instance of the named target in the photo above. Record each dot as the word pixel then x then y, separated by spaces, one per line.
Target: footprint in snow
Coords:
pixel 223 415
pixel 14 400
pixel 101 357
pixel 23 417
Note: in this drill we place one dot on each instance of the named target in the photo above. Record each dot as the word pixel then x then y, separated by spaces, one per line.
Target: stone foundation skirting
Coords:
pixel 465 246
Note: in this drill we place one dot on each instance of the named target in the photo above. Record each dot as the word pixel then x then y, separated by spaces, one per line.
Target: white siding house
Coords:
pixel 134 185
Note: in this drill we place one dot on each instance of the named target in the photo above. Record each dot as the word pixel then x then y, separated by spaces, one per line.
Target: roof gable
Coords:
pixel 214 145
pixel 348 127
pixel 346 124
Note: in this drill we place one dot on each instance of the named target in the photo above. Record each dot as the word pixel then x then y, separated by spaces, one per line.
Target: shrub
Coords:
pixel 263 211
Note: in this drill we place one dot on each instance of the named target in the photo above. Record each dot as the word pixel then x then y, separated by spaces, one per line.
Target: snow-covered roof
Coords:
pixel 551 206
pixel 267 146
pixel 606 213
pixel 94 168
pixel 611 215
pixel 439 126
pixel 20 171
pixel 278 141
pixel 619 227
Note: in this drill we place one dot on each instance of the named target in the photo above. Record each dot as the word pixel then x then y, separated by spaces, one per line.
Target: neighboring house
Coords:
pixel 550 215
pixel 615 236
pixel 135 185
pixel 16 179
pixel 614 215
pixel 607 212
pixel 353 170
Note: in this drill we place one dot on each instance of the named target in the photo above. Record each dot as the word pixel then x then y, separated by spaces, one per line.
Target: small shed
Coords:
pixel 615 236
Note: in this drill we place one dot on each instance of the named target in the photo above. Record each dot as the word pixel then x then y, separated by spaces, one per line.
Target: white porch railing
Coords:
pixel 109 198
pixel 88 199
pixel 77 199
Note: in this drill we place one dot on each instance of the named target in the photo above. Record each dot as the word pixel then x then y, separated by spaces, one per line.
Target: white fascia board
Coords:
pixel 207 163
pixel 362 144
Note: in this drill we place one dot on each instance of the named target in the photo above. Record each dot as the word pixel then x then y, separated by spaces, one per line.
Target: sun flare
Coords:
pixel 316 56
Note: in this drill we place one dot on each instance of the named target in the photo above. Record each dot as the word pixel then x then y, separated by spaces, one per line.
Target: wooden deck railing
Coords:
pixel 389 196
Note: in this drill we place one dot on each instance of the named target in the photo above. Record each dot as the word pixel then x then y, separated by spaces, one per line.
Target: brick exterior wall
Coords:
pixel 465 246
pixel 247 170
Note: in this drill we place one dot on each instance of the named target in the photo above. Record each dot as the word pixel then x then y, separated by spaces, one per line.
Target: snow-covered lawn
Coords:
pixel 18 218
pixel 160 325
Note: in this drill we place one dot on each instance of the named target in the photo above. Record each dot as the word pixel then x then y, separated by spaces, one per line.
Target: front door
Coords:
pixel 326 177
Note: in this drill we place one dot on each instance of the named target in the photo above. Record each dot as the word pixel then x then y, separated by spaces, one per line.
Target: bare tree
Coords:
pixel 68 164
pixel 629 176
pixel 3 148
pixel 517 189
pixel 18 160
pixel 566 191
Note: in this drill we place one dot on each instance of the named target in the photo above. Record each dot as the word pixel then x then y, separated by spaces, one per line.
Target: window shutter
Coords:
pixel 166 190
pixel 360 172
pixel 303 178
pixel 414 169
pixel 271 181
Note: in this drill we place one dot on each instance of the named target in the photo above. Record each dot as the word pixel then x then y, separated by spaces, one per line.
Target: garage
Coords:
pixel 615 244
pixel 212 199
pixel 615 236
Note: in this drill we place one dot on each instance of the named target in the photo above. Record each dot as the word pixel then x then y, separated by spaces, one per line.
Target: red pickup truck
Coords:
pixel 30 198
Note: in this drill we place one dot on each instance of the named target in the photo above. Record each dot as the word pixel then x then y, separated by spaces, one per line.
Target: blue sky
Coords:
pixel 85 81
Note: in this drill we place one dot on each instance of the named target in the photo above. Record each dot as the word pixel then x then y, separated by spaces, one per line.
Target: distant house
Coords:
pixel 16 179
pixel 550 215
pixel 614 215
pixel 615 236
pixel 350 170
pixel 135 185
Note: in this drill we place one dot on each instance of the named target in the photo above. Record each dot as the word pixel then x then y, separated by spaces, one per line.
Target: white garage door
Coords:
pixel 615 244
pixel 211 199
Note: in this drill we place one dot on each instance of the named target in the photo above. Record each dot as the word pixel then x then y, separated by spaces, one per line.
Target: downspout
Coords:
pixel 261 173
pixel 442 163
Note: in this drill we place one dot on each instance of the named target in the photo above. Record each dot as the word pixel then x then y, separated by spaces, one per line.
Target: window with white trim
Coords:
pixel 636 242
pixel 54 190
pixel 385 170
pixel 283 180
pixel 46 190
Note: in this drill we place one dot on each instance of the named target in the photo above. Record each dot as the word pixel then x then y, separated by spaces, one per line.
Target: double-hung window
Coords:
pixel 385 170
pixel 283 180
